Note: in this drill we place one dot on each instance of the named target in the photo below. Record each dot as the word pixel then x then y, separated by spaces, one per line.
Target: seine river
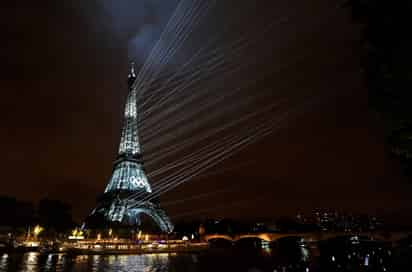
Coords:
pixel 33 262
pixel 206 261
pixel 60 262
pixel 246 256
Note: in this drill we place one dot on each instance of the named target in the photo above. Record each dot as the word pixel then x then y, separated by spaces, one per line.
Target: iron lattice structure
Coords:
pixel 125 197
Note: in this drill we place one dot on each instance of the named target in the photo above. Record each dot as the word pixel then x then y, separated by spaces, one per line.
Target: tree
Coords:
pixel 15 213
pixel 387 44
pixel 55 215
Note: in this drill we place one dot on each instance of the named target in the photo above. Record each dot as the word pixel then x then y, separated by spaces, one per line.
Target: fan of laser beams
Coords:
pixel 202 112
pixel 214 153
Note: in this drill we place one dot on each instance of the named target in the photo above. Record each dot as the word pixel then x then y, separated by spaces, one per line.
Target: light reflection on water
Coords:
pixel 36 262
pixel 3 262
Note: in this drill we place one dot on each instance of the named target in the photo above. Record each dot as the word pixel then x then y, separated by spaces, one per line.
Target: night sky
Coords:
pixel 63 87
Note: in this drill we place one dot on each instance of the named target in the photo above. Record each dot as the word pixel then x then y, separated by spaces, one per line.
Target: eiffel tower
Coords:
pixel 126 196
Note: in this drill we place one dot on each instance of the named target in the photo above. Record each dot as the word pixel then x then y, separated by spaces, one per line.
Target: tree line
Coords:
pixel 53 215
pixel 387 66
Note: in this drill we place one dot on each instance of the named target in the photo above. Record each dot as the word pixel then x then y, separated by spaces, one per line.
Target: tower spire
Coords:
pixel 132 74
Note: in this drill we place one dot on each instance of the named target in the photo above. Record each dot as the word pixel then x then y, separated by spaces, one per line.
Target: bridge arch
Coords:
pixel 263 236
pixel 210 237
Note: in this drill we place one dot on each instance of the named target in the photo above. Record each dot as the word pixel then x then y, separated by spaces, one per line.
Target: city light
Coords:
pixel 76 235
pixel 37 230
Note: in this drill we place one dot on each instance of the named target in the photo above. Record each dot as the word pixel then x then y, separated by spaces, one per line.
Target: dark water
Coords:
pixel 342 259
pixel 206 261
pixel 60 262
pixel 341 254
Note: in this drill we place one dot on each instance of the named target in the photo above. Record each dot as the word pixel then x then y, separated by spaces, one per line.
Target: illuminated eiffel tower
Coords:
pixel 126 196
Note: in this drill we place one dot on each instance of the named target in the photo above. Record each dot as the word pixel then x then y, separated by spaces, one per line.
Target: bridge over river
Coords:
pixel 309 236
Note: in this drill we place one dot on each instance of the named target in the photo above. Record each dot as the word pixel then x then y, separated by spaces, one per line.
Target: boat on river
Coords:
pixel 131 247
